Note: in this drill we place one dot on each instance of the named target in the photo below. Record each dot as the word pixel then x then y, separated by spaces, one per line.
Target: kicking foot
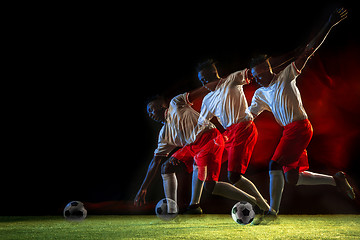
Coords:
pixel 259 217
pixel 194 209
pixel 264 217
pixel 270 216
pixel 343 185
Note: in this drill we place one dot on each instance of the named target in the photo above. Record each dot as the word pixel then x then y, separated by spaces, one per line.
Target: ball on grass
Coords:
pixel 243 213
pixel 162 209
pixel 75 211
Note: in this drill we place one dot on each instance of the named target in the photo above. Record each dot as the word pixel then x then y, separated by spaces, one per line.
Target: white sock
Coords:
pixel 197 187
pixel 170 189
pixel 229 191
pixel 310 178
pixel 277 183
pixel 250 188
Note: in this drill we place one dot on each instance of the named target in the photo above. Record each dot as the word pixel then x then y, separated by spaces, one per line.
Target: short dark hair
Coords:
pixel 257 59
pixel 207 64
pixel 153 98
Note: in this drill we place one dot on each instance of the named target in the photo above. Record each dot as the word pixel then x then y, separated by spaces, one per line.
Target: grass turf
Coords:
pixel 210 226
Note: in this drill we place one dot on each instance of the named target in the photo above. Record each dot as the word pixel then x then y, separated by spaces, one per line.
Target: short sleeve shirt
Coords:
pixel 181 127
pixel 282 98
pixel 227 102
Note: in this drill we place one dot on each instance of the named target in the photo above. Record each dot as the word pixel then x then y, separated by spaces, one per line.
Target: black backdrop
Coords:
pixel 78 128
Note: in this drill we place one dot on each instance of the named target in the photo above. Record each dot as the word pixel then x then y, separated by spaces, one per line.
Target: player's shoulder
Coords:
pixel 236 78
pixel 179 100
pixel 212 99
pixel 236 74
pixel 259 91
pixel 290 70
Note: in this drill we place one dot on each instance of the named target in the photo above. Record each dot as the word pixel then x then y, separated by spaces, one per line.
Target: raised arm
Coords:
pixel 335 18
pixel 302 54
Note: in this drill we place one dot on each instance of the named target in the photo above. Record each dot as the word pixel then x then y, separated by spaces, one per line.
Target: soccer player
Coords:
pixel 226 101
pixel 280 95
pixel 202 142
pixel 158 111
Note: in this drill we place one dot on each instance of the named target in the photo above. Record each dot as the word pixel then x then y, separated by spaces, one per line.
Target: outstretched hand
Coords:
pixel 140 198
pixel 337 16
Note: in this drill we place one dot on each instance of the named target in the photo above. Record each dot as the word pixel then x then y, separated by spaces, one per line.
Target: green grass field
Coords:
pixel 208 226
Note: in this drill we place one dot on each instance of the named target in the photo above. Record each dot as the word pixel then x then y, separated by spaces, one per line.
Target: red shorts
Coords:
pixel 207 151
pixel 240 140
pixel 291 151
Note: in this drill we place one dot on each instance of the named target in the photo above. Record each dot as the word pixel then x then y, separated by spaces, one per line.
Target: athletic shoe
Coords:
pixel 194 209
pixel 263 217
pixel 259 218
pixel 343 185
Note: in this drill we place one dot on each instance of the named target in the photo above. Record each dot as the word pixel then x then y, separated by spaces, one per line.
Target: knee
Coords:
pixel 292 177
pixel 234 177
pixel 167 167
pixel 274 166
pixel 209 186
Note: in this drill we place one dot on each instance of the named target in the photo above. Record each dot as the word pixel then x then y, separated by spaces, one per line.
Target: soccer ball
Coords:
pixel 75 211
pixel 243 213
pixel 161 209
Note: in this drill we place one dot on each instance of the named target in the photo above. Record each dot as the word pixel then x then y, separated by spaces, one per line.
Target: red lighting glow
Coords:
pixel 330 89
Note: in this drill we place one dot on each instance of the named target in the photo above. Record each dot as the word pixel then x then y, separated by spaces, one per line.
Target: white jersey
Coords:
pixel 281 97
pixel 227 102
pixel 181 127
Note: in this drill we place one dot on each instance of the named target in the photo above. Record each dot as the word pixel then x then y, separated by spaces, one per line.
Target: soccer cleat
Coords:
pixel 263 217
pixel 271 215
pixel 194 209
pixel 343 184
pixel 259 217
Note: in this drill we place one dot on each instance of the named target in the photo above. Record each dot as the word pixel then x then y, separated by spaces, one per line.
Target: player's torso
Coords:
pixel 284 100
pixel 228 104
pixel 182 125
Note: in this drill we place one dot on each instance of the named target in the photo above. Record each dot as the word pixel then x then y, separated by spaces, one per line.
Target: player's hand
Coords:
pixel 337 16
pixel 140 198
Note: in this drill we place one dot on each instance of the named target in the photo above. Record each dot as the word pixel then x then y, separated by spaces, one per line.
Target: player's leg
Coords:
pixel 227 190
pixel 209 150
pixel 209 146
pixel 311 178
pixel 277 183
pixel 211 157
pixel 339 180
pixel 170 182
pixel 288 155
pixel 247 186
pixel 197 188
pixel 296 174
pixel 241 141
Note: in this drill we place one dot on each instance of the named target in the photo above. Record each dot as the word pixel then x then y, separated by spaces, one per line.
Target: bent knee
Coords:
pixel 292 177
pixel 274 165
pixel 167 167
pixel 234 177
pixel 209 186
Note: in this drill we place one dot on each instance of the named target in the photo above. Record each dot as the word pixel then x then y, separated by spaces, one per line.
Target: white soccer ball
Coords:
pixel 75 211
pixel 161 209
pixel 243 213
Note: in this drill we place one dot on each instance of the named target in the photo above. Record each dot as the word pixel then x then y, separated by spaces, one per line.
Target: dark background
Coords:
pixel 77 127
